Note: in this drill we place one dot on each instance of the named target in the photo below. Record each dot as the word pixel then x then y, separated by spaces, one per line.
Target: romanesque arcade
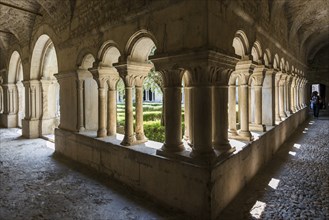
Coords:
pixel 228 99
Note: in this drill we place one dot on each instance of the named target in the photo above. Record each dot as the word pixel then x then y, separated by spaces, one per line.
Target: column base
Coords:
pixel 31 128
pixel 223 148
pixel 283 116
pixel 140 141
pixel 101 132
pixel 225 152
pixel 232 133
pixel 140 138
pixel 129 140
pixel 288 113
pixel 244 136
pixel 173 148
pixel 257 127
pixel 9 120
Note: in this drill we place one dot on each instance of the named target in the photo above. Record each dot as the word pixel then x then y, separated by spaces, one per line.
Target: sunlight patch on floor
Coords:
pixel 50 145
pixel 257 210
pixel 274 183
pixel 292 153
pixel 297 146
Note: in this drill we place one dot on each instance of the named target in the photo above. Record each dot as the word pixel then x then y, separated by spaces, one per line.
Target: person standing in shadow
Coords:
pixel 315 103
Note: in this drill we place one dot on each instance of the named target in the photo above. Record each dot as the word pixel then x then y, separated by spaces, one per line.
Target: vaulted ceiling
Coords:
pixel 308 20
pixel 17 17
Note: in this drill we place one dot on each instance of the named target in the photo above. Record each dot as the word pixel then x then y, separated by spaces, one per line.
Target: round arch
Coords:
pixel 257 52
pixel 44 58
pixel 14 65
pixel 276 62
pixel 140 46
pixel 241 44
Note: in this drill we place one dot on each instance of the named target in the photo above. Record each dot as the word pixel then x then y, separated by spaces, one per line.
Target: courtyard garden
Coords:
pixel 152 113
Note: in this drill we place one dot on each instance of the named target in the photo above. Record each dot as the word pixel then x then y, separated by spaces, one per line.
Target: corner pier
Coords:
pixel 210 186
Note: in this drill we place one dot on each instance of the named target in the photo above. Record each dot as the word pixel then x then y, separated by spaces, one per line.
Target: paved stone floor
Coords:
pixel 34 184
pixel 295 183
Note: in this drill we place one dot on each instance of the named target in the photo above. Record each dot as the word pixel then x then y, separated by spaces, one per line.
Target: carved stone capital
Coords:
pixel 258 75
pixel 103 74
pixel 219 76
pixel 172 77
pixel 243 71
pixel 83 74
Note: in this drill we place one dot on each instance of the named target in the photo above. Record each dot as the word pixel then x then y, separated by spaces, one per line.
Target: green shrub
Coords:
pixel 154 131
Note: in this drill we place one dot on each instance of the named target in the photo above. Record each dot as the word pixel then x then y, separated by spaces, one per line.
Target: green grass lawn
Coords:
pixel 152 120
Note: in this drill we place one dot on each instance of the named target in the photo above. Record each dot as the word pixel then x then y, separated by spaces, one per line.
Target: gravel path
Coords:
pixel 295 183
pixel 36 185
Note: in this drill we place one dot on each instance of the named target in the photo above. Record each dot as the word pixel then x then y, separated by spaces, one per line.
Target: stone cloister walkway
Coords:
pixel 35 184
pixel 295 183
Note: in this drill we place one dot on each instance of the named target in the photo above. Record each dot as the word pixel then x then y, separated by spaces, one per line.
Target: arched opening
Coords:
pixel 257 53
pixel 89 114
pixel 234 108
pixel 43 67
pixel 15 90
pixel 148 116
pixel 240 44
pixel 20 95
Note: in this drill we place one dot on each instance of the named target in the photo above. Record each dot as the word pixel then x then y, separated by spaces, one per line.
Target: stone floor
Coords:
pixel 295 183
pixel 35 184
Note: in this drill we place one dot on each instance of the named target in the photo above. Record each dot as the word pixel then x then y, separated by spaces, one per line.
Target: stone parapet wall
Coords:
pixel 198 190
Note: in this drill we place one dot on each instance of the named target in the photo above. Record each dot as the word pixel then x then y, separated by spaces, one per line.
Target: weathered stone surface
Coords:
pixel 295 183
pixel 35 184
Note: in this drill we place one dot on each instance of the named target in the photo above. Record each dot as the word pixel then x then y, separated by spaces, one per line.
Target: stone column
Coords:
pixel 31 123
pixel 101 132
pixel 304 93
pixel 298 94
pixel 9 117
pixel 277 97
pixel 301 94
pixel 220 109
pixel 243 102
pixel 1 100
pixel 81 113
pixel 292 95
pixel 101 76
pixel 45 91
pixel 244 69
pixel 268 98
pixel 81 76
pixel 232 111
pixel 112 103
pixel 282 97
pixel 172 81
pixel 288 95
pixel 139 71
pixel 258 79
pixel 186 112
pixel 140 136
pixel 200 114
pixel 129 81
